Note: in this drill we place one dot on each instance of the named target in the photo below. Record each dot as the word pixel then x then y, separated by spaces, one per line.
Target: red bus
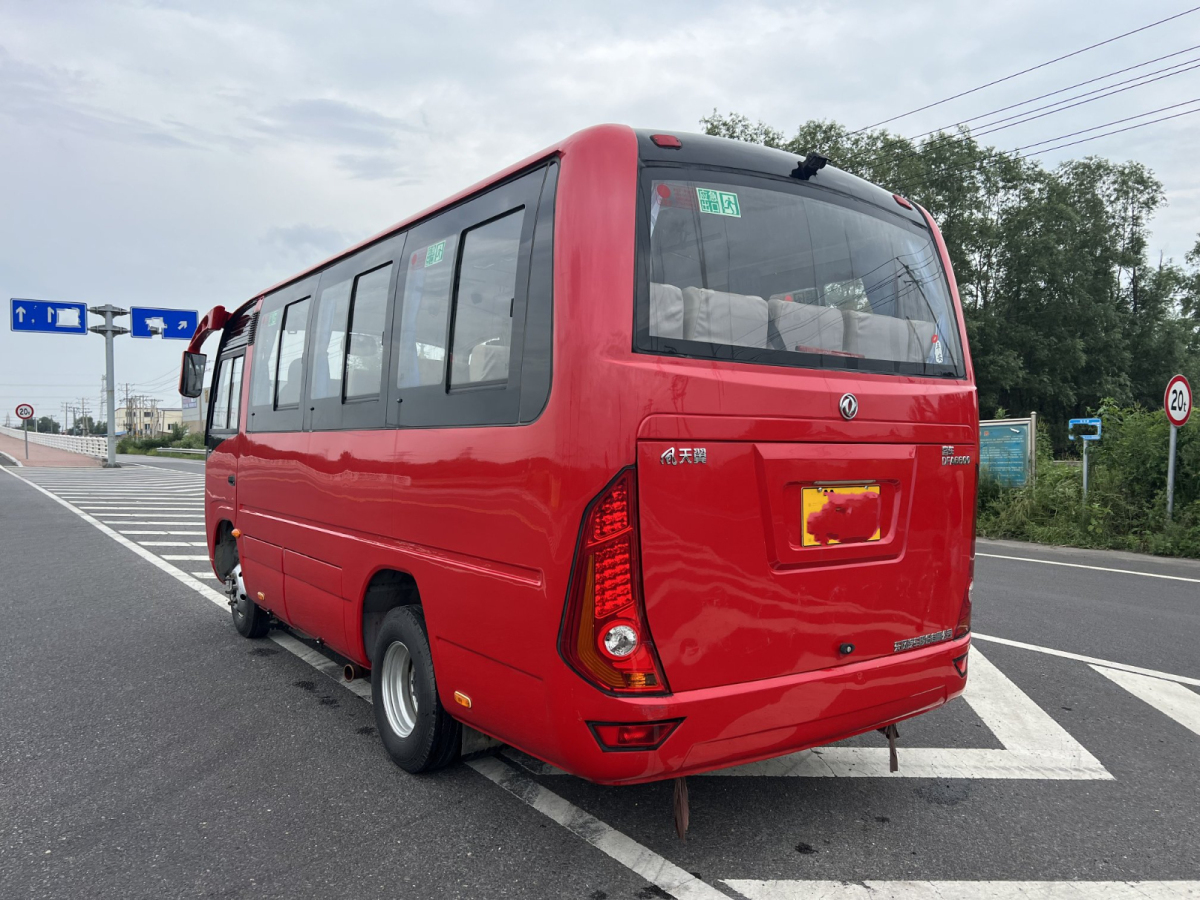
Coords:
pixel 650 455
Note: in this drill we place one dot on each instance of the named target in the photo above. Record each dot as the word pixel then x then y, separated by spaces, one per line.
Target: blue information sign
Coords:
pixel 1084 426
pixel 1005 451
pixel 178 324
pixel 47 316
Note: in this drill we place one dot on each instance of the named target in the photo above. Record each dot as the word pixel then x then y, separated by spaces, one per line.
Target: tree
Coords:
pixel 47 425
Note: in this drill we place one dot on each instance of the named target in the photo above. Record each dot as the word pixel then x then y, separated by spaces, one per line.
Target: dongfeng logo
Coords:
pixel 849 406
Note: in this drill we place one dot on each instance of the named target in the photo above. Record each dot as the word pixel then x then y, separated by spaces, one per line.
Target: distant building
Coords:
pixel 147 420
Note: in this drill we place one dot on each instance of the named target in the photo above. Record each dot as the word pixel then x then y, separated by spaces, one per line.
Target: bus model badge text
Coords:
pixel 949 459
pixel 691 455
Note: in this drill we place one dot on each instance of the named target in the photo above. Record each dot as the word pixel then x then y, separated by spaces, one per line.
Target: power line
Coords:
pixel 987 128
pixel 1016 154
pixel 1027 71
pixel 1072 87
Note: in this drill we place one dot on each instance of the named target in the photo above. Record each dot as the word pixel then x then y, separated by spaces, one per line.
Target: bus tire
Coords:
pixel 417 732
pixel 250 619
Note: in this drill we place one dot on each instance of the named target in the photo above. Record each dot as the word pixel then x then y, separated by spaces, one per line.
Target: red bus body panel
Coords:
pixel 486 520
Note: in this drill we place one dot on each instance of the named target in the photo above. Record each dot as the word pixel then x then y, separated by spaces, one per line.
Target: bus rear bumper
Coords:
pixel 742 723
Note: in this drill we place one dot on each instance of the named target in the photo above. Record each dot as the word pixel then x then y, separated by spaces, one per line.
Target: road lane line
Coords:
pixel 173 543
pixel 640 860
pixel 1055 562
pixel 1167 697
pixel 965 890
pixel 1090 660
pixel 175 533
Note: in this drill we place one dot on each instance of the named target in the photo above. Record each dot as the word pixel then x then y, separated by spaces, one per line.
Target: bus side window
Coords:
pixel 277 374
pixel 368 318
pixel 483 303
pixel 227 395
pixel 220 403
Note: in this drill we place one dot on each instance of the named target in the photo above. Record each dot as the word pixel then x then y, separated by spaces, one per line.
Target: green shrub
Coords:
pixel 1126 508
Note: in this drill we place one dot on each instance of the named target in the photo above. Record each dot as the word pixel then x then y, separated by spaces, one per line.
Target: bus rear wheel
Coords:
pixel 250 619
pixel 417 732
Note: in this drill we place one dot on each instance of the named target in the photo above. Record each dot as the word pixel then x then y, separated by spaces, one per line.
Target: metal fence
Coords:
pixel 88 446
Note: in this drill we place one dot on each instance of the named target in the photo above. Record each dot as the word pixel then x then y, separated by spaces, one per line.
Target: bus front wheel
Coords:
pixel 417 732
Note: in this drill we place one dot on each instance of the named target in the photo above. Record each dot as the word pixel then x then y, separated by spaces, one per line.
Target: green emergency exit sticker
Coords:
pixel 719 203
pixel 273 318
pixel 434 254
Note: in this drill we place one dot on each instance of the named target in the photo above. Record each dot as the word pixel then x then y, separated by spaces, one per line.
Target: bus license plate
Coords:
pixel 848 514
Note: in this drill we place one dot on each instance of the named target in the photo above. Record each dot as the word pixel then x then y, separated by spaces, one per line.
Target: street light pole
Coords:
pixel 109 330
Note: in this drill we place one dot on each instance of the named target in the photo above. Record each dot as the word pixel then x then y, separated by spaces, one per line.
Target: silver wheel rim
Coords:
pixel 399 687
pixel 235 589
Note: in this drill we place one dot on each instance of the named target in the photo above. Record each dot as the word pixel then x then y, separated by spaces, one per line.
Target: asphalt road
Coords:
pixel 148 751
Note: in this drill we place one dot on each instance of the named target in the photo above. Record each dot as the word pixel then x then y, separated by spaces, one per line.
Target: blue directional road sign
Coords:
pixel 1085 425
pixel 147 321
pixel 48 317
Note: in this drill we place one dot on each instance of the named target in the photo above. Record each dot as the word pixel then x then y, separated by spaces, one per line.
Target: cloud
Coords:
pixel 330 122
pixel 305 241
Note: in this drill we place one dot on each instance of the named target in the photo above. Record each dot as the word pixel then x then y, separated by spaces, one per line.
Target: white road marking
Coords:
pixel 1167 697
pixel 176 533
pixel 185 507
pixel 965 890
pixel 173 543
pixel 1091 660
pixel 141 524
pixel 1035 746
pixel 167 515
pixel 641 860
pixel 204 575
pixel 176 557
pixel 1055 562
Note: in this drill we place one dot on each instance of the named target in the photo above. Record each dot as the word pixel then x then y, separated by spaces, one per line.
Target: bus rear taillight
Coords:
pixel 604 635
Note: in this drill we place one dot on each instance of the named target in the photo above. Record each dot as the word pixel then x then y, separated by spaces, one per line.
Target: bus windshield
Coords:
pixel 754 270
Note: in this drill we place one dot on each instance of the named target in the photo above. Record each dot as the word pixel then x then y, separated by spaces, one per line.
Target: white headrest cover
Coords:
pixel 721 318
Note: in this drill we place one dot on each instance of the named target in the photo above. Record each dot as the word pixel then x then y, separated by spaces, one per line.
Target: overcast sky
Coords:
pixel 189 154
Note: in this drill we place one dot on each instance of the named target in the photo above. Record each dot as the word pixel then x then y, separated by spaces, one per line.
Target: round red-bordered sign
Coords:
pixel 24 411
pixel 1177 401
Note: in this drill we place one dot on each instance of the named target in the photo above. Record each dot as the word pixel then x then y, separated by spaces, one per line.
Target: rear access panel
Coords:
pixel 767 559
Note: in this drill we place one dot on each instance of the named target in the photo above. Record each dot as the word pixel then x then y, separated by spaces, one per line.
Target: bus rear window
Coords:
pixel 747 270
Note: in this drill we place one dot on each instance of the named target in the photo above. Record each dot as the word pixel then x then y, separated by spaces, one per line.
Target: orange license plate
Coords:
pixel 845 514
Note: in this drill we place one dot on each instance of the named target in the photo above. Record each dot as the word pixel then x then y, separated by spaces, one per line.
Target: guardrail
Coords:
pixel 88 446
pixel 158 450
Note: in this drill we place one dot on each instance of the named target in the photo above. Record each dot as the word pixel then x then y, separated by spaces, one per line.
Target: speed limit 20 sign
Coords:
pixel 24 411
pixel 1178 401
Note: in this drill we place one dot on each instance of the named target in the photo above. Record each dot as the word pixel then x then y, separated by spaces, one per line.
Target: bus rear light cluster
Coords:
pixel 604 635
pixel 963 627
pixel 632 735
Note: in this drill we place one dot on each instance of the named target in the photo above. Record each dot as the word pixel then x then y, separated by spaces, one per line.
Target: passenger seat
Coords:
pixel 721 318
pixel 666 310
pixel 488 362
pixel 886 337
pixel 802 326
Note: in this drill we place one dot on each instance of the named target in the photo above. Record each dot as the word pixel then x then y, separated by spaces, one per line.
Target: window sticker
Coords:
pixel 719 203
pixel 434 254
pixel 273 318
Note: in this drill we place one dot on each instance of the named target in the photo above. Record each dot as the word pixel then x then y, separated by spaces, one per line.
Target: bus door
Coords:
pixel 222 443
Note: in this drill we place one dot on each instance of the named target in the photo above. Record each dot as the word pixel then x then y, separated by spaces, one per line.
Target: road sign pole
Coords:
pixel 26 440
pixel 1085 446
pixel 1171 474
pixel 109 330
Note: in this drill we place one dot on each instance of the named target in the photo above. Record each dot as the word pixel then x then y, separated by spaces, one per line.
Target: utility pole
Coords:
pixel 109 330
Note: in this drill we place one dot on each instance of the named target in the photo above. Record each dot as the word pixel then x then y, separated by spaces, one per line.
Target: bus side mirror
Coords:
pixel 191 378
